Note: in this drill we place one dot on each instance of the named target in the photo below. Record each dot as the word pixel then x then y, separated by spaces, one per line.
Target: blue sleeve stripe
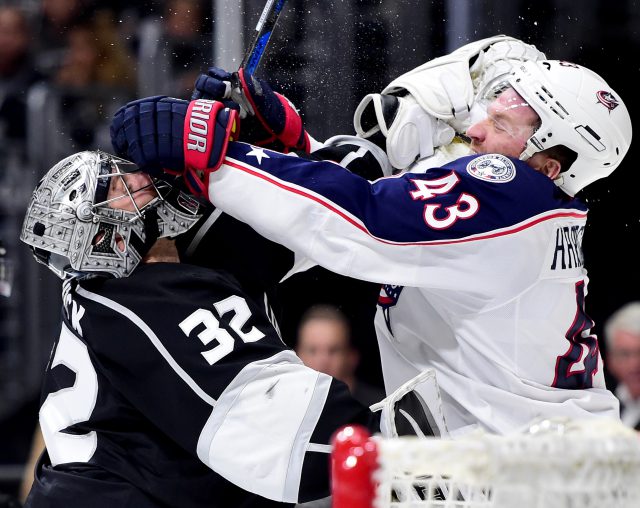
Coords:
pixel 296 189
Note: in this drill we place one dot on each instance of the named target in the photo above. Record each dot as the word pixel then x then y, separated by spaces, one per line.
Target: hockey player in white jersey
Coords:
pixel 480 259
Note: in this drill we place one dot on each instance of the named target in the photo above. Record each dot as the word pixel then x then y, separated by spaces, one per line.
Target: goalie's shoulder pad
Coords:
pixel 358 155
pixel 443 86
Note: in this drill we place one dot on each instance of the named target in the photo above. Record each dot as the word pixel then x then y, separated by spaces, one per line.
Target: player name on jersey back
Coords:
pixel 564 254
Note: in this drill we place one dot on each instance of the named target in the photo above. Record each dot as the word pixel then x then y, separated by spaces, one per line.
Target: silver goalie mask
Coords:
pixel 96 214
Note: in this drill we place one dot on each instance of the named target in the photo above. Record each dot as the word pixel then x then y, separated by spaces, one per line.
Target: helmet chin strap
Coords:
pixel 559 180
pixel 528 152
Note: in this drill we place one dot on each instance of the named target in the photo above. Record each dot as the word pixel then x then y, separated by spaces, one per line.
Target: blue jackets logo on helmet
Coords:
pixel 607 99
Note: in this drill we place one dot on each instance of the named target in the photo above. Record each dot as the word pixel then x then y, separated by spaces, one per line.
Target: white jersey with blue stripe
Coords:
pixel 481 268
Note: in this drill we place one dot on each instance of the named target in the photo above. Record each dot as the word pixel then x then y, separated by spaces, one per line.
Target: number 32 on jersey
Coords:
pixel 213 330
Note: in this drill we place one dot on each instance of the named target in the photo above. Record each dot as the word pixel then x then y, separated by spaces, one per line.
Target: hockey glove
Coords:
pixel 165 135
pixel 401 127
pixel 274 121
pixel 358 155
pixel 494 63
pixel 414 409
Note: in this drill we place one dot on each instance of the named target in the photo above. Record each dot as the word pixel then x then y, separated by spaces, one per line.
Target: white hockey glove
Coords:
pixel 498 59
pixel 414 409
pixel 410 133
pixel 446 87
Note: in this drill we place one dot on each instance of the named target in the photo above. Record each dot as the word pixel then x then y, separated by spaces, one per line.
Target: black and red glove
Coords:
pixel 274 123
pixel 165 135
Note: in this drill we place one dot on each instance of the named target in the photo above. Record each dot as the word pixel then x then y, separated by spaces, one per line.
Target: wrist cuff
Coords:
pixel 199 125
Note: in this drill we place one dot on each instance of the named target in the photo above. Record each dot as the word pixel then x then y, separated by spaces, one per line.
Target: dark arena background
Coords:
pixel 325 55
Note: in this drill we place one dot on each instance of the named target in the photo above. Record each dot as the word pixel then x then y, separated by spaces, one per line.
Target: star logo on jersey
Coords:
pixel 492 167
pixel 258 153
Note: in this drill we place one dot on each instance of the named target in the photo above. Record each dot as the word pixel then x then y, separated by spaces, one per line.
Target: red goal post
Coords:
pixel 553 464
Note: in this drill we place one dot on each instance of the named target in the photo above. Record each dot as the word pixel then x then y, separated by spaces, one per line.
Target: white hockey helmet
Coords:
pixel 579 110
pixel 73 230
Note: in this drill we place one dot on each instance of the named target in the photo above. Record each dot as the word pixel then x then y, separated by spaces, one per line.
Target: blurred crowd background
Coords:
pixel 67 65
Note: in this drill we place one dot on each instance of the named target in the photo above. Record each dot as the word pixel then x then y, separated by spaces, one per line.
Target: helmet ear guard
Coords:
pixel 578 110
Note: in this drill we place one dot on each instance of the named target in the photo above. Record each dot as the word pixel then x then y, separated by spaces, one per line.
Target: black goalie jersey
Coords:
pixel 170 388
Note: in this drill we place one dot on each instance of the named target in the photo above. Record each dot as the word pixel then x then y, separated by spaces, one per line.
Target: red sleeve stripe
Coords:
pixel 288 186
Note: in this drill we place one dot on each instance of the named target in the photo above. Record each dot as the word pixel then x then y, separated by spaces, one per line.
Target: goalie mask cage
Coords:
pixel 554 464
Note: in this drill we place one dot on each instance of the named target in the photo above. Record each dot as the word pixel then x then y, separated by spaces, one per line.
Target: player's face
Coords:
pixel 509 124
pixel 130 187
pixel 129 192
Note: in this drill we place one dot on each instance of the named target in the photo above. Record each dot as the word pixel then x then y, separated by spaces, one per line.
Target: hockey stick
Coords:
pixel 255 52
pixel 264 29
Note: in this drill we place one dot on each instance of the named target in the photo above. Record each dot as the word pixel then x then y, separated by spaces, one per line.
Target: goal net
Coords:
pixel 553 464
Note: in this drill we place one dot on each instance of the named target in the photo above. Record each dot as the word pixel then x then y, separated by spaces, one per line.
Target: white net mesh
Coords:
pixel 554 464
